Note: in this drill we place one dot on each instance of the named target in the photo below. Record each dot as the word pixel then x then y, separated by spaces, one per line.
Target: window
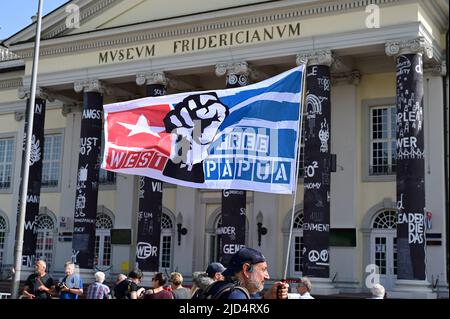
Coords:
pixel 45 239
pixel 6 161
pixel 103 225
pixel 166 245
pixel 297 233
pixel 384 227
pixel 105 177
pixel 216 241
pixel 301 155
pixel 3 228
pixel 385 220
pixel 51 163
pixel 383 142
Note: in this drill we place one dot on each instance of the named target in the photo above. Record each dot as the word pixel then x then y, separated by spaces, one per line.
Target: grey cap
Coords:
pixel 214 268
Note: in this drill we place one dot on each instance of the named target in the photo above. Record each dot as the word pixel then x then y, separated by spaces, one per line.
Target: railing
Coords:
pixel 6 55
pixel 5 295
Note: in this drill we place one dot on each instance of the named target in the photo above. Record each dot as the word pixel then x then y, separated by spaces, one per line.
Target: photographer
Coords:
pixel 39 285
pixel 71 286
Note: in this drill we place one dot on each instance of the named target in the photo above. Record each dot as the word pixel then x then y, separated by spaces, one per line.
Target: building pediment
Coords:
pixel 84 16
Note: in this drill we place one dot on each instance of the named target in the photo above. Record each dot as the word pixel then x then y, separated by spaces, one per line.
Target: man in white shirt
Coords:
pixel 304 287
pixel 378 292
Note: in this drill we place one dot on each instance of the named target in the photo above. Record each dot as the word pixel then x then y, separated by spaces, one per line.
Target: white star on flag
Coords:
pixel 142 127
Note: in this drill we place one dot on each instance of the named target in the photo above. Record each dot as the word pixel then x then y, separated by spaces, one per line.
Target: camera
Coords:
pixel 61 285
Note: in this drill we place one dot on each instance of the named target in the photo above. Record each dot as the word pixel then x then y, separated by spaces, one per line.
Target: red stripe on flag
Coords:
pixel 125 128
pixel 118 159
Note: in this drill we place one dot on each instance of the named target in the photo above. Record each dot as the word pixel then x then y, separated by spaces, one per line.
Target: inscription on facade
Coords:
pixel 201 43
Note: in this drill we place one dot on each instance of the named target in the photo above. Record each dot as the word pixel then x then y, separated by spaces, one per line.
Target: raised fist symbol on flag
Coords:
pixel 195 122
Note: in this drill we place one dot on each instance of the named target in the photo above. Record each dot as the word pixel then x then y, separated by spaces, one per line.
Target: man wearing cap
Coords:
pixel 203 280
pixel 245 278
pixel 215 271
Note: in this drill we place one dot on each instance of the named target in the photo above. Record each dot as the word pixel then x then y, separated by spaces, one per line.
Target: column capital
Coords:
pixel 19 115
pixel 321 57
pixel 149 78
pixel 436 69
pixel 89 85
pixel 225 68
pixel 412 46
pixel 42 93
pixel 353 77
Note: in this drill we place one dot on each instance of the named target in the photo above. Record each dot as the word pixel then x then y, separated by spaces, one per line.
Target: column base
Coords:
pixel 412 289
pixel 323 286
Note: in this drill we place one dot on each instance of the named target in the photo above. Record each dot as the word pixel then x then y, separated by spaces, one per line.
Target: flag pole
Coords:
pixel 297 166
pixel 26 167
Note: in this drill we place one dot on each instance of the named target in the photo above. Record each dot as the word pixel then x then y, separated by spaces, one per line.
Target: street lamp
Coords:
pixel 261 230
pixel 180 229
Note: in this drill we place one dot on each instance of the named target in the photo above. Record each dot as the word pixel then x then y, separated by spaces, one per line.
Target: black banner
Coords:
pixel 410 168
pixel 150 212
pixel 232 231
pixel 83 243
pixel 234 218
pixel 317 164
pixel 34 181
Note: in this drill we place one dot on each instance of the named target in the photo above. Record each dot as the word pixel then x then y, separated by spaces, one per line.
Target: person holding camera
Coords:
pixel 39 285
pixel 71 286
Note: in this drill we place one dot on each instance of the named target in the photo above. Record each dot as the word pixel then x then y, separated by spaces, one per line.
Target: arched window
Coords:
pixel 45 239
pixel 103 225
pixel 3 229
pixel 216 240
pixel 297 245
pixel 384 245
pixel 385 220
pixel 166 245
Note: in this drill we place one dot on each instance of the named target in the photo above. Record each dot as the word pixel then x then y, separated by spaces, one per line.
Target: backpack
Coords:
pixel 222 290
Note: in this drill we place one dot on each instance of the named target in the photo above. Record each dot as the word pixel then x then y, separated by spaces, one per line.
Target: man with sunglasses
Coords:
pixel 158 291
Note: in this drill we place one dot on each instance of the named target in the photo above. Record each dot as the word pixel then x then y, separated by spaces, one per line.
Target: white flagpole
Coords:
pixel 26 167
pixel 294 200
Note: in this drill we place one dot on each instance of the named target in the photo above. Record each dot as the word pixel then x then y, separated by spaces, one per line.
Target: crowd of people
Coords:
pixel 244 278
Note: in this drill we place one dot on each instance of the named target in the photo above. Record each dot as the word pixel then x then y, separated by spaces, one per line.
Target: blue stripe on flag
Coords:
pixel 288 84
pixel 264 110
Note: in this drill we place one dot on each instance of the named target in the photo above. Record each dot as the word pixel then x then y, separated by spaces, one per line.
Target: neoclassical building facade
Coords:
pixel 117 48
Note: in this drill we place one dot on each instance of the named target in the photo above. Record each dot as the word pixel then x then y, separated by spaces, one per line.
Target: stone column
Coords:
pixel 85 212
pixel 317 167
pixel 410 170
pixel 233 201
pixel 150 195
pixel 35 173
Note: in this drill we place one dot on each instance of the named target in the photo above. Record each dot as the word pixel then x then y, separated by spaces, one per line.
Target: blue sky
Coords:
pixel 16 14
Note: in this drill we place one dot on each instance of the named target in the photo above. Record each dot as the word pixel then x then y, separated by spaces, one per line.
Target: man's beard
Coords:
pixel 254 285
